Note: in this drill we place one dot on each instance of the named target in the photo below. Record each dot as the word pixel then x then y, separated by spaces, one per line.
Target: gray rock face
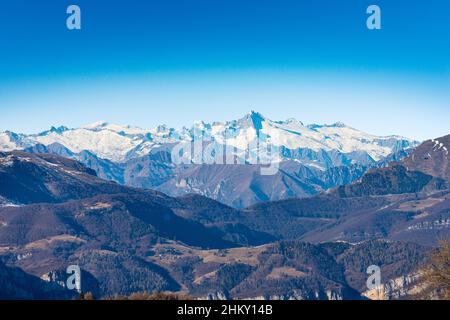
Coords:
pixel 241 186
pixel 235 185
pixel 399 288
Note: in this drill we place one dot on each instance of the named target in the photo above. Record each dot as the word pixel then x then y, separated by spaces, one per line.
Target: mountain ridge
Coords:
pixel 277 250
pixel 130 139
pixel 312 158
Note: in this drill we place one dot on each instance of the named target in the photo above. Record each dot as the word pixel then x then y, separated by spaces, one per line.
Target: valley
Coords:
pixel 55 212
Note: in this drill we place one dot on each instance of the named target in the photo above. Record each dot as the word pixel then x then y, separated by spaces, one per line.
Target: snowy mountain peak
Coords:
pixel 59 129
pixel 293 121
pixel 338 125
pixel 162 129
pixel 255 115
pixel 117 128
pixel 252 119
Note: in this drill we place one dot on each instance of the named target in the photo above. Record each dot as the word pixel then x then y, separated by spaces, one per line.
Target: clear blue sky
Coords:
pixel 176 61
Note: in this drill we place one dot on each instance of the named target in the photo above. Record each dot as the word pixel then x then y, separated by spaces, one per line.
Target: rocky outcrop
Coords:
pixel 403 287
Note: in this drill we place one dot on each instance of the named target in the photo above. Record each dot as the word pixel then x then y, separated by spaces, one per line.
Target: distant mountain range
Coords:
pixel 55 211
pixel 312 158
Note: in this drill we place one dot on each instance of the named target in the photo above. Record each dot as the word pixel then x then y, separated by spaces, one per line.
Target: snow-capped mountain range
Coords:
pixel 311 158
pixel 119 143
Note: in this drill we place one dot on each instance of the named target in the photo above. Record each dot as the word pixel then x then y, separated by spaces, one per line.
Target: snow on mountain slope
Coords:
pixel 10 141
pixel 293 134
pixel 105 143
pixel 121 143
